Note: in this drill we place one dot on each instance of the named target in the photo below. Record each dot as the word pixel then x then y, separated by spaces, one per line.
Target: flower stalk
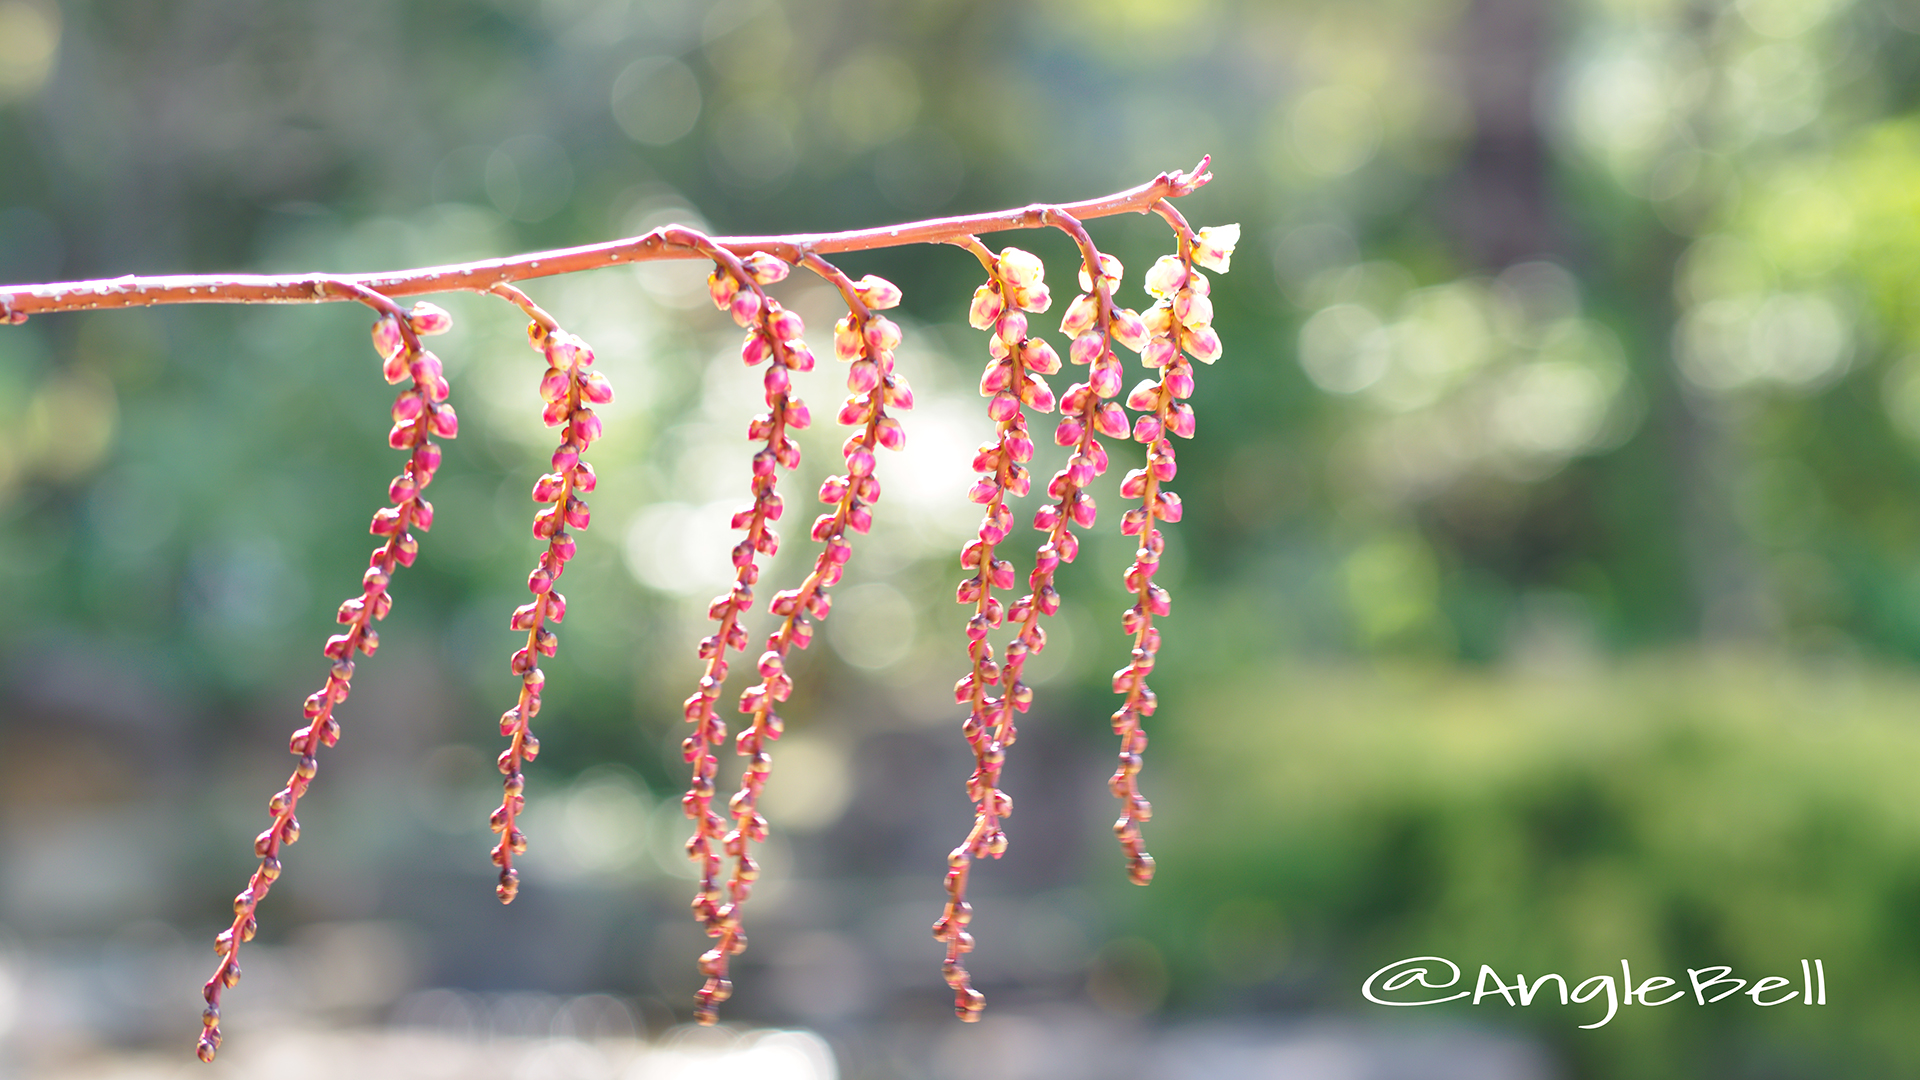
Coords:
pixel 419 413
pixel 1014 378
pixel 570 391
pixel 867 342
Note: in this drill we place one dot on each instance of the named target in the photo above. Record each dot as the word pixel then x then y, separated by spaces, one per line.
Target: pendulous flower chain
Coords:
pixel 1174 331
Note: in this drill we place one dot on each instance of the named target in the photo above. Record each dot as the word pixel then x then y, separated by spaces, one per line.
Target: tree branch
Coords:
pixel 19 301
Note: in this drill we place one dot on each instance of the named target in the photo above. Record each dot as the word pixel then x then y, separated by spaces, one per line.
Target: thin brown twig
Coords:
pixel 19 301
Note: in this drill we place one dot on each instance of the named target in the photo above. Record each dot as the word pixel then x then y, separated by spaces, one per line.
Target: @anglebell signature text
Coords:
pixel 1412 981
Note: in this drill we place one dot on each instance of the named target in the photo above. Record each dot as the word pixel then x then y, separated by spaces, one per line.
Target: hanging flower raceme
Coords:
pixel 569 391
pixel 773 334
pixel 419 413
pixel 867 342
pixel 1014 379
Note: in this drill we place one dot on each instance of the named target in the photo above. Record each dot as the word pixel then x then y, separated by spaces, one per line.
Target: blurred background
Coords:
pixel 1549 592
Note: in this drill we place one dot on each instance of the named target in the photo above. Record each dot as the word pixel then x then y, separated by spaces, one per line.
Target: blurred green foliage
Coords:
pixel 1564 338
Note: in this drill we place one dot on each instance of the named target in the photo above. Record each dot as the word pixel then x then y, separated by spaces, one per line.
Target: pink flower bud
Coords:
pixel 1180 420
pixel 548 487
pixel 1038 394
pixel 1213 246
pixel 1203 344
pixel 1078 473
pixel 427 318
pixel 1180 380
pixel 1003 407
pixel 777 382
pixel 424 367
pixel 799 417
pixel 1068 432
pixel 746 307
pixel 553 386
pixel 394 369
pixel 882 333
pixel 986 307
pixel 1133 521
pixel 596 388
pixel 1039 357
pixel 1193 310
pixel 1166 276
pixel 899 394
pixel 786 324
pixel 755 349
pixel 854 413
pixel 860 462
pixel 997 377
pixel 1167 508
pixel 1128 330
pixel 1082 510
pixel 426 461
pixel 799 357
pixel 408 407
pixel 563 354
pixel 387 340
pixel 846 339
pixel 1086 347
pixel 722 287
pixel 1105 380
pixel 1019 447
pixel 1011 328
pixel 863 376
pixel 1144 397
pixel 445 424
pixel 1146 429
pixel 891 434
pixel 1110 421
pixel 555 413
pixel 578 514
pixel 765 268
pixel 402 489
pixel 1020 267
pixel 1035 298
pixel 1080 315
pixel 1135 484
pixel 586 427
pixel 983 491
pixel 1159 353
pixel 877 293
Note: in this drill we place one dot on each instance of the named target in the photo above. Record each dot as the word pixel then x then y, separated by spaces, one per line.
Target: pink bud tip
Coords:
pixel 746 307
pixel 986 308
pixel 787 325
pixel 428 318
pixel 877 293
pixel 387 340
pixel 596 388
pixel 765 268
pixel 1086 348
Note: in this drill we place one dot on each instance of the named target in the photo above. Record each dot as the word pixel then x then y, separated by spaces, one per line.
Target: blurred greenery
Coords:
pixel 1548 590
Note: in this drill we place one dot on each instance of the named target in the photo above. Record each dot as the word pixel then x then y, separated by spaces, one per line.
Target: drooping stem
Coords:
pixel 19 301
pixel 419 412
pixel 1013 378
pixel 570 391
pixel 868 341
pixel 773 334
